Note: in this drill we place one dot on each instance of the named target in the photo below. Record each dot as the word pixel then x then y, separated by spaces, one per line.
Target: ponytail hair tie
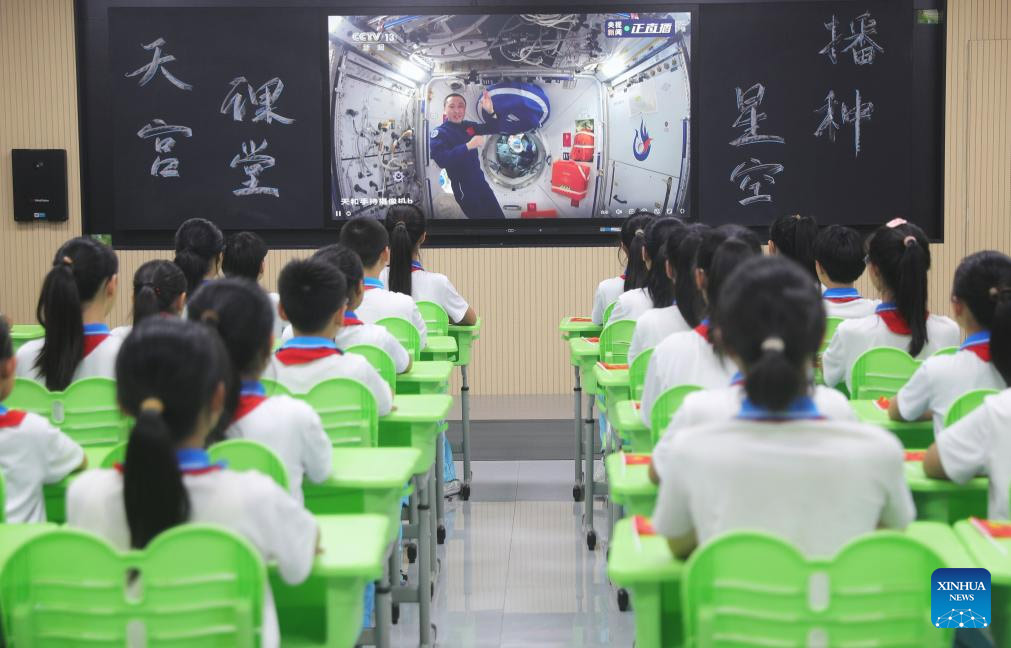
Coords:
pixel 895 222
pixel 640 232
pixel 400 225
pixel 152 404
pixel 909 241
pixel 210 316
pixel 1000 293
pixel 774 344
pixel 67 261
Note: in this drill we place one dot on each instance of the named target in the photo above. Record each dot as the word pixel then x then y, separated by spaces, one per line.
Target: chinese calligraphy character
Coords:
pixel 156 64
pixel 749 117
pixel 158 129
pixel 861 111
pixel 253 164
pixel 263 98
pixel 828 123
pixel 750 179
pixel 831 50
pixel 864 48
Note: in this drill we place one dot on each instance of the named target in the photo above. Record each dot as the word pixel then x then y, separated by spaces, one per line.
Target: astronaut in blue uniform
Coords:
pixel 455 146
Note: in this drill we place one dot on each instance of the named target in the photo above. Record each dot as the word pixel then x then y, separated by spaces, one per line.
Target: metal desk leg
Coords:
pixel 440 496
pixel 384 607
pixel 465 415
pixel 588 434
pixel 434 486
pixel 577 417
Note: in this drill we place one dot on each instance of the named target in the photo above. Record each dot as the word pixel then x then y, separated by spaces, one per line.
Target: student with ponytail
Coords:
pixel 779 466
pixel 940 380
pixel 406 275
pixel 242 315
pixel 898 258
pixel 77 297
pixel 793 236
pixel 689 299
pixel 199 247
pixel 171 378
pixel 632 236
pixel 159 288
pixel 657 291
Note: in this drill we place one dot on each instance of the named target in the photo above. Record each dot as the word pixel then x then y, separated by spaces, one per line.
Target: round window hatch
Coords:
pixel 514 161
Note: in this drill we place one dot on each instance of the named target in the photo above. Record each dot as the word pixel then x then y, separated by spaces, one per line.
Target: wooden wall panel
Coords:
pixel 521 293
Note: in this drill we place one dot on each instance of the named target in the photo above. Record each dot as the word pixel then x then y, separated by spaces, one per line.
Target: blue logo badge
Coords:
pixel 641 142
pixel 960 598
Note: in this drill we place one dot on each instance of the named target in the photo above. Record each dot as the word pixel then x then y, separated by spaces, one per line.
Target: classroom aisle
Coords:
pixel 515 569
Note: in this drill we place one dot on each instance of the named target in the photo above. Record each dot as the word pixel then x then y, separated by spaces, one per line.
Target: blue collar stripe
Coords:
pixel 3 410
pixel 983 337
pixel 195 459
pixel 309 343
pixel 350 314
pixel 372 282
pixel 96 329
pixel 840 292
pixel 885 306
pixel 252 388
pixel 704 322
pixel 801 408
pixel 416 265
pixel 737 379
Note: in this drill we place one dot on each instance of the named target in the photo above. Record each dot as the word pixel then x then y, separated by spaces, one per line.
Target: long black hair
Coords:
pixel 902 256
pixel 81 267
pixel 633 238
pixel 690 302
pixel 730 254
pixel 406 225
pixel 156 287
pixel 198 244
pixel 794 238
pixel 983 283
pixel 6 344
pixel 658 284
pixel 771 316
pixel 167 372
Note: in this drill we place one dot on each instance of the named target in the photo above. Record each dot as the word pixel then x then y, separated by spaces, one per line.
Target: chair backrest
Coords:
pixel 405 333
pixel 952 350
pixel 21 333
pixel 831 324
pixel 380 361
pixel 117 455
pixel 3 499
pixel 435 316
pixel 243 454
pixel 637 373
pixel 91 414
pixel 881 371
pixel 607 312
pixel 31 396
pixel 965 404
pixel 874 592
pixel 274 388
pixel 194 585
pixel 665 406
pixel 615 340
pixel 348 411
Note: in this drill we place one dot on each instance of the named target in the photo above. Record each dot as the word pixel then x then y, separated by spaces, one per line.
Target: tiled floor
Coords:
pixel 515 568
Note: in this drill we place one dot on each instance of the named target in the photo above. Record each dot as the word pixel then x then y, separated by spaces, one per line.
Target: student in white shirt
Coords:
pixel 940 380
pixel 405 225
pixel 630 243
pixel 689 357
pixel 77 297
pixel 241 313
pixel 779 466
pixel 313 299
pixel 839 262
pixel 159 288
pixel 32 452
pixel 632 304
pixel 792 236
pixel 369 240
pixel 244 257
pixel 898 258
pixel 199 249
pixel 171 377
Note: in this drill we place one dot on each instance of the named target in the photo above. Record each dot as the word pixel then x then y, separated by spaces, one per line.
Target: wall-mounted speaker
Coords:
pixel 40 184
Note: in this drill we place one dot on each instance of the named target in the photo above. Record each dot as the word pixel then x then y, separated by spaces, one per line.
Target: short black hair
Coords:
pixel 451 95
pixel 840 251
pixel 312 291
pixel 344 259
pixel 367 237
pixel 244 255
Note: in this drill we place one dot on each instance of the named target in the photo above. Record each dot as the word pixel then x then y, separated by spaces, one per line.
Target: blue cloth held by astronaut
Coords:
pixel 520 107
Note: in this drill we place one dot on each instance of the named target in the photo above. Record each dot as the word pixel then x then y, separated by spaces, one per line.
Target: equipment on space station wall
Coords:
pixel 571 179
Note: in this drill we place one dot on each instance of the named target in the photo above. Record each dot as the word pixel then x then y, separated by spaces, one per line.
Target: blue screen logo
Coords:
pixel 960 598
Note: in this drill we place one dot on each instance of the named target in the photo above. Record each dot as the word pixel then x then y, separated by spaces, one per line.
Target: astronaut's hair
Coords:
pixel 451 95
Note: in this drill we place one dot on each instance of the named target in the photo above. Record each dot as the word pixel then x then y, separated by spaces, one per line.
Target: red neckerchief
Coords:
pixel 247 403
pixel 352 321
pixel 94 334
pixel 895 322
pixel 703 329
pixel 12 418
pixel 296 356
pixel 841 300
pixel 978 343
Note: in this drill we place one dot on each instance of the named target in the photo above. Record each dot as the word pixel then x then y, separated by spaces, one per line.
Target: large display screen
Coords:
pixel 499 116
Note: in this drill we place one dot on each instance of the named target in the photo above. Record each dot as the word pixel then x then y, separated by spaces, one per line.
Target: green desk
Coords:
pixel 627 422
pixel 425 377
pixel 994 555
pixel 439 347
pixel 465 336
pixel 574 326
pixel 55 495
pixel 414 423
pixel 914 435
pixel 945 501
pixel 629 484
pixel 326 610
pixel 613 383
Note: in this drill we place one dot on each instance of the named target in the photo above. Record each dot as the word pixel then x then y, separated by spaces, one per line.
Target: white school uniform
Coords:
pixel 685 358
pixel 121 332
pixel 289 427
pixel 940 380
pixel 631 305
pixel 377 303
pixel 434 287
pixel 816 483
pixel 653 327
pixel 607 292
pixel 854 336
pixel 301 378
pixel 279 324
pixel 32 453
pixel 979 444
pixel 100 362
pixel 247 503
pixel 847 303
pixel 352 334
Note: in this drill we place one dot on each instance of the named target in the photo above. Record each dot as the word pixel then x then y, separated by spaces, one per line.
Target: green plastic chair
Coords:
pixel 116 456
pixel 274 388
pixel 881 372
pixel 946 351
pixel 637 373
pixel 31 396
pixel 435 316
pixel 405 333
pixel 380 361
pixel 665 407
pixel 3 499
pixel 965 404
pixel 243 454
pixel 21 333
pixel 194 585
pixel 615 340
pixel 348 411
pixel 750 588
pixel 607 312
pixel 831 324
pixel 91 414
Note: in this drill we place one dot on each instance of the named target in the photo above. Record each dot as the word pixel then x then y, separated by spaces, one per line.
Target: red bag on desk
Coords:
pixel 570 179
pixel 583 146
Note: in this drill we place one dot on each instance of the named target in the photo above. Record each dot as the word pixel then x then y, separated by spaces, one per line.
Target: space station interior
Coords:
pixel 588 120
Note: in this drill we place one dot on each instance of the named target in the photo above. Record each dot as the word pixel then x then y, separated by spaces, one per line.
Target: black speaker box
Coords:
pixel 40 184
